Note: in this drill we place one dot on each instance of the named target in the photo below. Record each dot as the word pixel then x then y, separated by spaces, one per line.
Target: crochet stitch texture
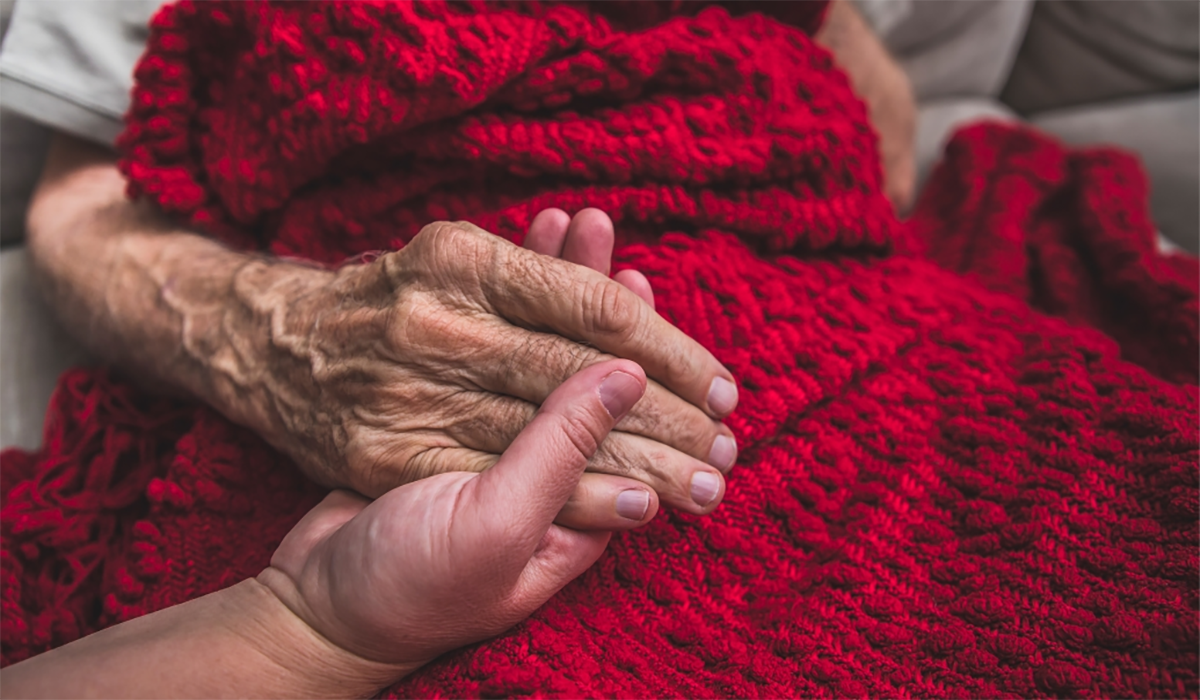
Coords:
pixel 954 479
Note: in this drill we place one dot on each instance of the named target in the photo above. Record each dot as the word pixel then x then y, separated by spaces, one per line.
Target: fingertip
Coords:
pixel 724 451
pixel 604 502
pixel 636 507
pixel 619 391
pixel 589 240
pixel 617 383
pixel 548 231
pixel 707 490
pixel 591 220
pixel 722 396
pixel 632 504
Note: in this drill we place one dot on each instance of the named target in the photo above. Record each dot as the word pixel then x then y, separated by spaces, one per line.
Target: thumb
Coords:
pixel 523 493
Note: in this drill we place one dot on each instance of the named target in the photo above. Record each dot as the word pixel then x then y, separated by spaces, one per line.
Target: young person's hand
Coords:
pixel 457 557
pixel 359 594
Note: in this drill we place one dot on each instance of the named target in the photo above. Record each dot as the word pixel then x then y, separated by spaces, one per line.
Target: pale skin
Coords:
pixel 462 380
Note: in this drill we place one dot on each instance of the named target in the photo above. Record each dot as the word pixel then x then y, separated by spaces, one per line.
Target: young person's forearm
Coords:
pixel 175 309
pixel 239 642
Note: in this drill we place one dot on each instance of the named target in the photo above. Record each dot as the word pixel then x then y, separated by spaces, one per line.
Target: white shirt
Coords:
pixel 68 64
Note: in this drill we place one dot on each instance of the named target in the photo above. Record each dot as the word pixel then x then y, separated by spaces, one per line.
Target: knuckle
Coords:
pixel 684 364
pixel 456 258
pixel 434 233
pixel 446 242
pixel 613 457
pixel 468 227
pixel 654 466
pixel 609 312
pixel 528 268
pixel 672 421
pixel 581 432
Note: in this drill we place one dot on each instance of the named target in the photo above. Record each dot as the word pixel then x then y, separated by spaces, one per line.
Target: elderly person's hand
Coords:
pixel 433 358
pixel 426 360
pixel 359 593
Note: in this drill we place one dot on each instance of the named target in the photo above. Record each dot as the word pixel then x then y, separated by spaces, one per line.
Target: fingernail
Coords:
pixel 619 392
pixel 723 453
pixel 722 396
pixel 632 504
pixel 705 487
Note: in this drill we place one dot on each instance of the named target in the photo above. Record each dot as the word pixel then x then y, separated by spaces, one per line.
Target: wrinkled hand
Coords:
pixel 433 358
pixel 457 557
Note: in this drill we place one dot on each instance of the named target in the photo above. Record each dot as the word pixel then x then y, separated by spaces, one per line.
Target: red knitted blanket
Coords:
pixel 969 442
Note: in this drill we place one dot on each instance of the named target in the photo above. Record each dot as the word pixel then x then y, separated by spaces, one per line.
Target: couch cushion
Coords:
pixel 1083 51
pixel 1164 130
pixel 951 48
pixel 35 350
pixel 22 149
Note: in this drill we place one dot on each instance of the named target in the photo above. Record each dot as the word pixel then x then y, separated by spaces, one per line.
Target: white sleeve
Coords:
pixel 69 64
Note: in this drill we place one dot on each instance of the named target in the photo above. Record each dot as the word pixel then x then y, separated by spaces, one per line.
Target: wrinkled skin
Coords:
pixel 429 359
pixel 433 358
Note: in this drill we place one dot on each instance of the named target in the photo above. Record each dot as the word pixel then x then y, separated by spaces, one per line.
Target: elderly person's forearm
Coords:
pixel 427 360
pixel 172 308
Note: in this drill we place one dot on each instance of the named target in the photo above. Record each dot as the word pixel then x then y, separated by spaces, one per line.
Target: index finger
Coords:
pixel 542 293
